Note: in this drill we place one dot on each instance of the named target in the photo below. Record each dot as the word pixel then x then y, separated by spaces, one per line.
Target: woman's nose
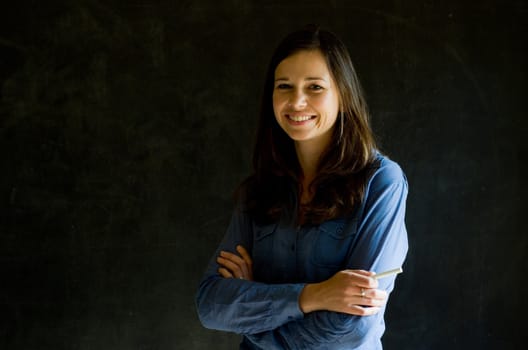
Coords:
pixel 298 100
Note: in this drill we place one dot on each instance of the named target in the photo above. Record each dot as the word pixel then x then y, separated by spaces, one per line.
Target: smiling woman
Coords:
pixel 321 213
pixel 306 105
pixel 305 98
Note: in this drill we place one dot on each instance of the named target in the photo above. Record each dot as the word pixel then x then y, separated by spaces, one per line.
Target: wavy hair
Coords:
pixel 339 184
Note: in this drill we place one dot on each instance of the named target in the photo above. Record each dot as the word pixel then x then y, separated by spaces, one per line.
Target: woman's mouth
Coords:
pixel 299 118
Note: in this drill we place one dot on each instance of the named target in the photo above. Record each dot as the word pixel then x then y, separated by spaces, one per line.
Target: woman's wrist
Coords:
pixel 308 302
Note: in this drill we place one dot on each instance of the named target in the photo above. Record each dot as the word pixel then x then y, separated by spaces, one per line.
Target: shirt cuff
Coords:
pixel 287 307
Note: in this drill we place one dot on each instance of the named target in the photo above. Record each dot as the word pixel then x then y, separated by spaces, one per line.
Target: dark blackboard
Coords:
pixel 125 126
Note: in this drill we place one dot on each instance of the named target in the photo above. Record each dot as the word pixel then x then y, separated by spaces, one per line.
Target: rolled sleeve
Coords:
pixel 240 306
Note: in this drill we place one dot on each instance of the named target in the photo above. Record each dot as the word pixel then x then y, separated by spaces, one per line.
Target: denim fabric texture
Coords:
pixel 266 311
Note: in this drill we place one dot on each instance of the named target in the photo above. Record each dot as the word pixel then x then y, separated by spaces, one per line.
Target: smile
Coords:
pixel 300 118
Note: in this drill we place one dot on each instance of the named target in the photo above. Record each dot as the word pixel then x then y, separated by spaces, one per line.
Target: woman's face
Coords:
pixel 305 97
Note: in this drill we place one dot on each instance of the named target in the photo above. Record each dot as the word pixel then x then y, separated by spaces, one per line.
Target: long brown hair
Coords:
pixel 342 172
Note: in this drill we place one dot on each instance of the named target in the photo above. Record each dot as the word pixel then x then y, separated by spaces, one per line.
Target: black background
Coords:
pixel 125 126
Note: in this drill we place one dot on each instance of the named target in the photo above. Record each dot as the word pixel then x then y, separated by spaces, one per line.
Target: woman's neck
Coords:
pixel 308 154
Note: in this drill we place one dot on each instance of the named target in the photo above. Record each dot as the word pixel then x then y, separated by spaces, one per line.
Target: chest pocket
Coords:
pixel 263 266
pixel 334 242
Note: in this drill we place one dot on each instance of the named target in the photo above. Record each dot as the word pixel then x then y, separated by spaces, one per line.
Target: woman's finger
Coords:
pixel 361 310
pixel 371 293
pixel 233 257
pixel 238 266
pixel 364 272
pixel 367 302
pixel 234 268
pixel 225 273
pixel 376 294
pixel 245 255
pixel 249 262
pixel 359 278
pixel 243 264
pixel 367 298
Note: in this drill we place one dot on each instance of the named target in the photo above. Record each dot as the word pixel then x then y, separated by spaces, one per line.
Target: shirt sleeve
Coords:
pixel 240 306
pixel 381 245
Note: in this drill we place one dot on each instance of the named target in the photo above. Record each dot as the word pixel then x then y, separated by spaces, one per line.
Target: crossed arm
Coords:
pixel 352 292
pixel 346 308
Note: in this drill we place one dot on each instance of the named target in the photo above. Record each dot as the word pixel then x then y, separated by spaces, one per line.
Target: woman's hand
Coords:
pixel 350 291
pixel 234 266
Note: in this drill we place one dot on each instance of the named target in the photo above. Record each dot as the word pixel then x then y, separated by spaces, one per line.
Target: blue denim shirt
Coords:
pixel 266 311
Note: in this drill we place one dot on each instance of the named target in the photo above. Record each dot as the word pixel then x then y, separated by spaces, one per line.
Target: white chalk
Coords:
pixel 388 273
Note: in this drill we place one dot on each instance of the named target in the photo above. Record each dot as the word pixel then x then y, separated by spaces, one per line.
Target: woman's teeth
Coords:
pixel 300 118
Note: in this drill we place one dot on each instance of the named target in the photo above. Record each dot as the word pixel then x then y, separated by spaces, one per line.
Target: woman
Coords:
pixel 321 213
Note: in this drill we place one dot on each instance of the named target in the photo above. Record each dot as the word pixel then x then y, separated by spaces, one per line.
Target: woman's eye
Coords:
pixel 283 86
pixel 316 87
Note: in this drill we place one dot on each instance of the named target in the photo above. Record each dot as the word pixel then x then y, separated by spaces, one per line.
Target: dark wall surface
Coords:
pixel 125 126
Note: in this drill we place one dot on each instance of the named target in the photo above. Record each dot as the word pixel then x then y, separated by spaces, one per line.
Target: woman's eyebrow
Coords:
pixel 307 79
